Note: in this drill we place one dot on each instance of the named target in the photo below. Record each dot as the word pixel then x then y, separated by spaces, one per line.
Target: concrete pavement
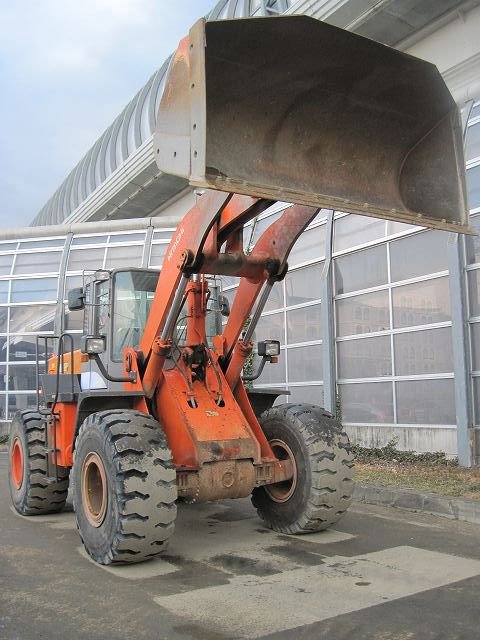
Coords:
pixel 382 574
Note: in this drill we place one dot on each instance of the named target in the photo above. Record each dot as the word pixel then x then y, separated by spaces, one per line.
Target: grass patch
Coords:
pixel 428 472
pixel 391 453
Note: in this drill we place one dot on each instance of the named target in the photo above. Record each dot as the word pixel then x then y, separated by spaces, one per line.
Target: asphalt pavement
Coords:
pixel 381 574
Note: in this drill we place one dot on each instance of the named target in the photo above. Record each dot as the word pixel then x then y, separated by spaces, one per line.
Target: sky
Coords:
pixel 67 69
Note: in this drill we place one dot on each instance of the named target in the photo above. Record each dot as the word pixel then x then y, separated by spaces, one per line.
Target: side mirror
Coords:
pixel 76 299
pixel 223 305
pixel 92 345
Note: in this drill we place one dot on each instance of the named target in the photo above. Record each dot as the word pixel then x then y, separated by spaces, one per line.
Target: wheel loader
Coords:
pixel 151 409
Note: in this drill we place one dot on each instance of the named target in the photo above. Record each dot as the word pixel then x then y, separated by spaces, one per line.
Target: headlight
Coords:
pixel 93 344
pixel 269 348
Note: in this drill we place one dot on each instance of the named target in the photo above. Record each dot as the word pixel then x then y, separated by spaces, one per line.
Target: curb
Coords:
pixel 437 505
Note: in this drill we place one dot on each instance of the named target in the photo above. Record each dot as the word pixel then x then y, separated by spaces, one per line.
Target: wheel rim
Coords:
pixel 282 491
pixel 94 489
pixel 16 463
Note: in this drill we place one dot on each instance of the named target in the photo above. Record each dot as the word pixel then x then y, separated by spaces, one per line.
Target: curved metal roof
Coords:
pixel 133 127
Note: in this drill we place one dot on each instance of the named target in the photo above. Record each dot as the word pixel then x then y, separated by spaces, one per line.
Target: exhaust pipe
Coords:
pixel 293 109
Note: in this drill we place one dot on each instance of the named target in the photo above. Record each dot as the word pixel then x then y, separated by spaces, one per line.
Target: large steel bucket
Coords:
pixel 290 108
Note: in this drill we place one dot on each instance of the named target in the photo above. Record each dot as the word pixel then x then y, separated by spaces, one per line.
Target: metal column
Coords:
pixel 328 322
pixel 460 345
pixel 59 322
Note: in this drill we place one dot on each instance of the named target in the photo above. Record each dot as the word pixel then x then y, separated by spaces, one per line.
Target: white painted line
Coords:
pixel 329 536
pixel 400 517
pixel 141 571
pixel 250 607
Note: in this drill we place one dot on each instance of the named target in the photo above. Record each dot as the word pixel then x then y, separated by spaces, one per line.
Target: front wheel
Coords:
pixel 124 487
pixel 321 488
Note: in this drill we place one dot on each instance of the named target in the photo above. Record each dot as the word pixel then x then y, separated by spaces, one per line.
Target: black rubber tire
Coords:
pixel 325 470
pixel 35 496
pixel 141 486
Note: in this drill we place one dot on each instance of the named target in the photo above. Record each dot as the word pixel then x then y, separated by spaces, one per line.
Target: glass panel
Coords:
pixel 3 377
pixel 73 282
pixel 361 270
pixel 423 352
pixel 37 262
pixel 20 401
pixel 22 348
pixel 305 363
pixel 426 402
pixel 8 246
pixel 263 224
pixel 303 285
pixel 73 320
pixel 271 327
pixel 86 259
pixel 3 319
pixel 3 292
pixel 309 246
pixel 3 405
pixel 312 394
pixel 473 187
pixel 229 281
pixel 474 292
pixel 366 403
pixel 3 347
pixel 275 299
pixel 473 242
pixel 303 324
pixel 6 264
pixel 22 377
pixel 42 244
pixel 363 314
pixel 34 290
pixel 133 296
pixel 476 399
pixel 127 237
pixel 78 241
pixel 418 255
pixel 475 340
pixel 230 295
pixel 475 111
pixel 398 227
pixel 365 358
pixel 118 257
pixel 34 318
pixel 272 373
pixel 472 149
pixel 353 230
pixel 157 254
pixel 421 303
pixel 163 235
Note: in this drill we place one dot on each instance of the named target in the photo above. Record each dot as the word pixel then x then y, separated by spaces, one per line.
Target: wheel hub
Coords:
pixel 283 491
pixel 16 463
pixel 94 489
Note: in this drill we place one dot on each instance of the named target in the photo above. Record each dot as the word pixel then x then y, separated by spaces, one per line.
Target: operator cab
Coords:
pixel 116 307
pixel 117 304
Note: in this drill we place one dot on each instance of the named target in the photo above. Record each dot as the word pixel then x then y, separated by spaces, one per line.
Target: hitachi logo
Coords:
pixel 175 244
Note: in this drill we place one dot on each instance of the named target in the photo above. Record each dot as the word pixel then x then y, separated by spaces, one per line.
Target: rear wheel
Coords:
pixel 321 488
pixel 31 492
pixel 124 487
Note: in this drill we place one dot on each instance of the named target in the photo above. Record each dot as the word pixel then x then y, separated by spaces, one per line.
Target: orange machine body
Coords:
pixel 65 362
pixel 198 395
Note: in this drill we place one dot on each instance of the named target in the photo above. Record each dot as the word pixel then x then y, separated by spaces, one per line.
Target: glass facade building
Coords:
pixel 378 319
pixel 390 304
